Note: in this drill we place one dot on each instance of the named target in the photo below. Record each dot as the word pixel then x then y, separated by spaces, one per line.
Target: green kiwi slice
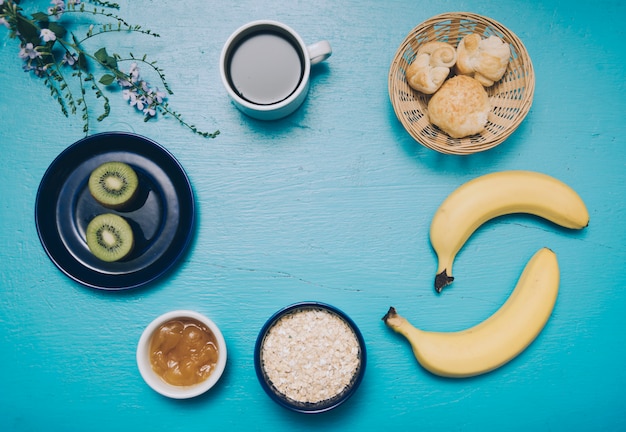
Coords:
pixel 113 184
pixel 109 237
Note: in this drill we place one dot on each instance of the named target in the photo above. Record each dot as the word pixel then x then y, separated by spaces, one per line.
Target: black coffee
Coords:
pixel 265 67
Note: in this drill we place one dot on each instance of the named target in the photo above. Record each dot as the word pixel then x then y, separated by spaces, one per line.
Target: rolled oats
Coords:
pixel 310 355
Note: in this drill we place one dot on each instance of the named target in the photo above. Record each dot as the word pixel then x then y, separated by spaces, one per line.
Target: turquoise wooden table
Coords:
pixel 331 204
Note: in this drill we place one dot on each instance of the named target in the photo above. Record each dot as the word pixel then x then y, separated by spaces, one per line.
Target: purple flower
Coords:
pixel 69 58
pixel 47 35
pixel 28 52
pixel 133 73
pixel 130 95
pixel 37 70
pixel 138 92
pixel 57 8
pixel 140 103
pixel 157 95
pixel 150 111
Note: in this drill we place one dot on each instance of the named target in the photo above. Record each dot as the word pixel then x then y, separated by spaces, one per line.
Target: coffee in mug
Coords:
pixel 265 68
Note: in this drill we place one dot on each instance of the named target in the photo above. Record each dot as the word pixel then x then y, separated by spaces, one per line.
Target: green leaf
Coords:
pixel 57 29
pixel 40 16
pixel 107 79
pixel 82 62
pixel 28 30
pixel 103 57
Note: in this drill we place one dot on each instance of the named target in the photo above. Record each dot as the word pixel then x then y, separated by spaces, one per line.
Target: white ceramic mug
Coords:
pixel 265 67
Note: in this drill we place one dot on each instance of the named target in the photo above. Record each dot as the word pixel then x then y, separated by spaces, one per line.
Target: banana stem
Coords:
pixel 442 280
pixel 401 325
pixel 393 320
pixel 391 313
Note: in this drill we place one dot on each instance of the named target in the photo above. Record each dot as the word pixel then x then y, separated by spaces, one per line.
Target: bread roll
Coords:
pixel 483 59
pixel 431 66
pixel 460 107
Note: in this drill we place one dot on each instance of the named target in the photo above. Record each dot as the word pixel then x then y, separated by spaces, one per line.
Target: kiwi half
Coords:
pixel 113 184
pixel 109 237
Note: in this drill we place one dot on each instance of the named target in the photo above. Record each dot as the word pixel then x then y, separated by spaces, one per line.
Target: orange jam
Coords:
pixel 183 352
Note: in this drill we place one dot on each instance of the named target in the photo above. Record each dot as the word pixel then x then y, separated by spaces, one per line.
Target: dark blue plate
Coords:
pixel 305 407
pixel 162 218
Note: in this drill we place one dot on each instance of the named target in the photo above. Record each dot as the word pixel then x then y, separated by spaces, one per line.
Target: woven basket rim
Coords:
pixel 511 97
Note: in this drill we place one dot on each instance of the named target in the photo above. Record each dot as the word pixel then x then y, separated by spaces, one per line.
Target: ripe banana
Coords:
pixel 500 337
pixel 497 194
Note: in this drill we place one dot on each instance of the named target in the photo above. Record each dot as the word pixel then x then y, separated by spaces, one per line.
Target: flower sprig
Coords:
pixel 57 55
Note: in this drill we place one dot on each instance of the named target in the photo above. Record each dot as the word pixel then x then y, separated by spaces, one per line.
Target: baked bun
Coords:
pixel 460 107
pixel 431 66
pixel 483 59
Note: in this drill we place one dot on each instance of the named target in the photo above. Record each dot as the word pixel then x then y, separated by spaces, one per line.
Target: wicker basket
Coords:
pixel 510 98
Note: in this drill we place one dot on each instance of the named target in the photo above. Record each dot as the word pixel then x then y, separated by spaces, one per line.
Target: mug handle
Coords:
pixel 319 51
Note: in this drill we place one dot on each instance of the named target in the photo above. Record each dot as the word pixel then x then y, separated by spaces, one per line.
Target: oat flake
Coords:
pixel 310 355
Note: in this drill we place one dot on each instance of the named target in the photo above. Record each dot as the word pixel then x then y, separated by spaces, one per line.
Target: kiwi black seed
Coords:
pixel 113 184
pixel 109 237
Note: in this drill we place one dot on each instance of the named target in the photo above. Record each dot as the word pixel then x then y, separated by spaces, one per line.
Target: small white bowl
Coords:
pixel 155 381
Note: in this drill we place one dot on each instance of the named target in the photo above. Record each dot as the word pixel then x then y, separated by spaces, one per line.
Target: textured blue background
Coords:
pixel 330 204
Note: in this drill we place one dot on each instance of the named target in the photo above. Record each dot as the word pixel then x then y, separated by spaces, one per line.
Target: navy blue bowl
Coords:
pixel 308 407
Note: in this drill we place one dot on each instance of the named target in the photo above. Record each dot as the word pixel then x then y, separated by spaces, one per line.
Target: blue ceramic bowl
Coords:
pixel 262 366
